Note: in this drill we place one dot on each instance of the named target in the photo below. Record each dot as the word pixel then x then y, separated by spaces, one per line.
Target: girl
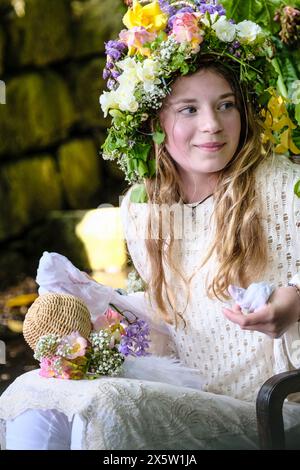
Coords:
pixel 215 219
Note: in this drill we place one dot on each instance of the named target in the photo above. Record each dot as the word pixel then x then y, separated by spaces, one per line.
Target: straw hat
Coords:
pixel 59 314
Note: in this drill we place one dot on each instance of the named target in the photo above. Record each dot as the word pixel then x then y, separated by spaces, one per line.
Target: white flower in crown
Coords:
pixel 148 74
pixel 130 72
pixel 209 19
pixel 126 98
pixel 123 99
pixel 225 30
pixel 109 100
pixel 248 32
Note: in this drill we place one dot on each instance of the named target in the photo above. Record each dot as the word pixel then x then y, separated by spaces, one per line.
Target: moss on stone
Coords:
pixel 28 189
pixel 42 35
pixel 80 172
pixel 38 112
pixel 58 233
pixel 87 85
pixel 95 22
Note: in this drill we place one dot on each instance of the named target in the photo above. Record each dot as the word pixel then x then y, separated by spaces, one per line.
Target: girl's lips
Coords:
pixel 211 146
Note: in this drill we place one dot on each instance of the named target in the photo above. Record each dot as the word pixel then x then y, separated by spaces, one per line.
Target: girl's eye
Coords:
pixel 227 105
pixel 188 110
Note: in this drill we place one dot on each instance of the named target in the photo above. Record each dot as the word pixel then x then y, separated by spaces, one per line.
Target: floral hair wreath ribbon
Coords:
pixel 164 39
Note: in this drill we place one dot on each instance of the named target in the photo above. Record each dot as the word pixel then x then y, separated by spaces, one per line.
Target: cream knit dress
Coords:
pixel 234 362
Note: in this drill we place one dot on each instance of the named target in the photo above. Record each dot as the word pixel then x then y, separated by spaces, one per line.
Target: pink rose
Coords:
pixel 186 29
pixel 110 317
pixel 75 344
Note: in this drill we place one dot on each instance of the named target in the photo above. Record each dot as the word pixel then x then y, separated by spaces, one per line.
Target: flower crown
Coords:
pixel 114 337
pixel 165 39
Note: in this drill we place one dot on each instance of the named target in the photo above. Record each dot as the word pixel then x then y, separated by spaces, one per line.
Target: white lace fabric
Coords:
pixel 123 413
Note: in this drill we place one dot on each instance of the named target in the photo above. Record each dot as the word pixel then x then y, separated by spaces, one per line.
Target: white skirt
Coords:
pixel 127 414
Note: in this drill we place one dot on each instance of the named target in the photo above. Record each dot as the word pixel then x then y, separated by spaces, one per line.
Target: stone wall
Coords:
pixel 51 127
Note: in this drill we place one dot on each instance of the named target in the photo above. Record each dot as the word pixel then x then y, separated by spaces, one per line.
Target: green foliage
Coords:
pixel 138 194
pixel 159 137
pixel 297 188
pixel 286 59
pixel 259 11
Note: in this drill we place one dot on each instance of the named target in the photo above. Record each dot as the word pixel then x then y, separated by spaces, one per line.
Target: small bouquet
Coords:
pixel 115 336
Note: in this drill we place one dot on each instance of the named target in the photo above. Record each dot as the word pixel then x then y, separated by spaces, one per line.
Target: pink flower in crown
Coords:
pixel 186 29
pixel 135 38
pixel 108 319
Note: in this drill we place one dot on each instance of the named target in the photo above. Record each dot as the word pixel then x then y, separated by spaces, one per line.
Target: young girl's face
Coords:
pixel 201 122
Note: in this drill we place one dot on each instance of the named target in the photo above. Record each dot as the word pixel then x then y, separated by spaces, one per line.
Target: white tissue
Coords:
pixel 255 296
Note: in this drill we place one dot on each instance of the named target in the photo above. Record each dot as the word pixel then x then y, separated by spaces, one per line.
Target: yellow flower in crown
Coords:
pixel 148 16
pixel 277 119
pixel 286 143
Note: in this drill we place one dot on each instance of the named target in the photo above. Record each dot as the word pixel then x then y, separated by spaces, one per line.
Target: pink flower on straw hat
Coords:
pixel 61 368
pixel 47 367
pixel 109 318
pixel 72 346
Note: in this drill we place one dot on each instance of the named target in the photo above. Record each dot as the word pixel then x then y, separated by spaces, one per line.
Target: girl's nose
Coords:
pixel 209 122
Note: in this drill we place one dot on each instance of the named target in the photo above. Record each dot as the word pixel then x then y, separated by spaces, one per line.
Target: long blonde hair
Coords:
pixel 242 250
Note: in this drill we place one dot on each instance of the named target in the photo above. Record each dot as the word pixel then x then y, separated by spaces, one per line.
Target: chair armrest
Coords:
pixel 269 405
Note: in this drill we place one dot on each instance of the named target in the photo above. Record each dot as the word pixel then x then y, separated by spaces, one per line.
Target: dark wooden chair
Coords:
pixel 269 405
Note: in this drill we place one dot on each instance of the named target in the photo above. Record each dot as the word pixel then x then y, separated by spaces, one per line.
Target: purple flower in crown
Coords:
pixel 166 7
pixel 114 51
pixel 233 48
pixel 136 340
pixel 111 84
pixel 211 7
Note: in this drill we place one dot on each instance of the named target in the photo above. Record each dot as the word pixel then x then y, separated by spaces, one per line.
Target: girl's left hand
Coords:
pixel 273 318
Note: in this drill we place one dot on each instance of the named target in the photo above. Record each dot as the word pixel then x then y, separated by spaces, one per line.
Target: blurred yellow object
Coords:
pixel 15 325
pixel 21 300
pixel 115 280
pixel 101 232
